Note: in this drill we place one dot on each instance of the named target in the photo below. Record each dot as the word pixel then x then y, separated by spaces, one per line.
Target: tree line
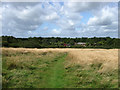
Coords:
pixel 57 42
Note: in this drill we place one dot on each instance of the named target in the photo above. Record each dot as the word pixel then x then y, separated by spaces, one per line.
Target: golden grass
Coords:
pixel 106 58
pixel 19 57
pixel 85 57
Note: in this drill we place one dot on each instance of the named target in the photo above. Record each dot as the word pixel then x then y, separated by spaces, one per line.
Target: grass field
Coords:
pixel 59 68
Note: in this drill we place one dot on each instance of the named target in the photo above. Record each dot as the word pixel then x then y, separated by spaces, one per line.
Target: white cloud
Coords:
pixel 45 28
pixel 22 19
pixel 105 22
pixel 26 17
pixel 0 18
pixel 55 31
pixel 52 16
pixel 82 6
pixel 104 17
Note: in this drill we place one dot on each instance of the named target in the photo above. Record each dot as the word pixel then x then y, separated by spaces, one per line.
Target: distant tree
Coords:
pixel 40 42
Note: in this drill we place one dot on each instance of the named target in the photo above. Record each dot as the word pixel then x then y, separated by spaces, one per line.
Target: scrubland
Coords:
pixel 59 68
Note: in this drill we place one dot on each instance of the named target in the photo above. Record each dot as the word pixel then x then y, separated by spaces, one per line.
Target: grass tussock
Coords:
pixel 92 68
pixel 107 59
pixel 70 68
pixel 24 68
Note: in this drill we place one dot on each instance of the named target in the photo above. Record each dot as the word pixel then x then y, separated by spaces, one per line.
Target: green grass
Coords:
pixel 47 70
pixel 56 73
pixel 79 77
pixel 44 72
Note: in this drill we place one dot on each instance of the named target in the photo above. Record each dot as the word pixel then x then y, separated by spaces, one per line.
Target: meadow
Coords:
pixel 59 68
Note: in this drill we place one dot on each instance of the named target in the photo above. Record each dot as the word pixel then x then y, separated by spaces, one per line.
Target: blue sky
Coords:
pixel 86 15
pixel 60 19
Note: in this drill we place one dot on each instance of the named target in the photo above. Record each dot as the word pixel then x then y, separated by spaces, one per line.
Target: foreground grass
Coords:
pixel 89 78
pixel 92 69
pixel 48 69
pixel 56 74
pixel 32 70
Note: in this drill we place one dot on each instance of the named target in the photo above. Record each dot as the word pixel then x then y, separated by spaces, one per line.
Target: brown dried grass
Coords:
pixel 84 57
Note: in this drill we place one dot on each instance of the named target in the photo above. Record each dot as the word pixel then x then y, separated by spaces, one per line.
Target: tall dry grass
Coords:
pixel 85 57
pixel 20 57
pixel 79 64
pixel 107 57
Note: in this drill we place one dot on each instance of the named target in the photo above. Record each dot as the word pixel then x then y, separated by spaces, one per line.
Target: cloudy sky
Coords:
pixel 59 19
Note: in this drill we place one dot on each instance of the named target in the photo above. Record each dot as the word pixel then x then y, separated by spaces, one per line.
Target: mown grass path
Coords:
pixel 56 77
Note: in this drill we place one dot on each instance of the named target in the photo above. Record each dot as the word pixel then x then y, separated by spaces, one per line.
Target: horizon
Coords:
pixel 59 37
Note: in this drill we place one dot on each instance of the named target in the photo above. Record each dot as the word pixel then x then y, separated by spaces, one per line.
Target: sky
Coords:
pixel 59 19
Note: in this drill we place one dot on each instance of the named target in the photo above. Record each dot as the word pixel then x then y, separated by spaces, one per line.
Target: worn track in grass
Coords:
pixel 56 77
pixel 51 68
